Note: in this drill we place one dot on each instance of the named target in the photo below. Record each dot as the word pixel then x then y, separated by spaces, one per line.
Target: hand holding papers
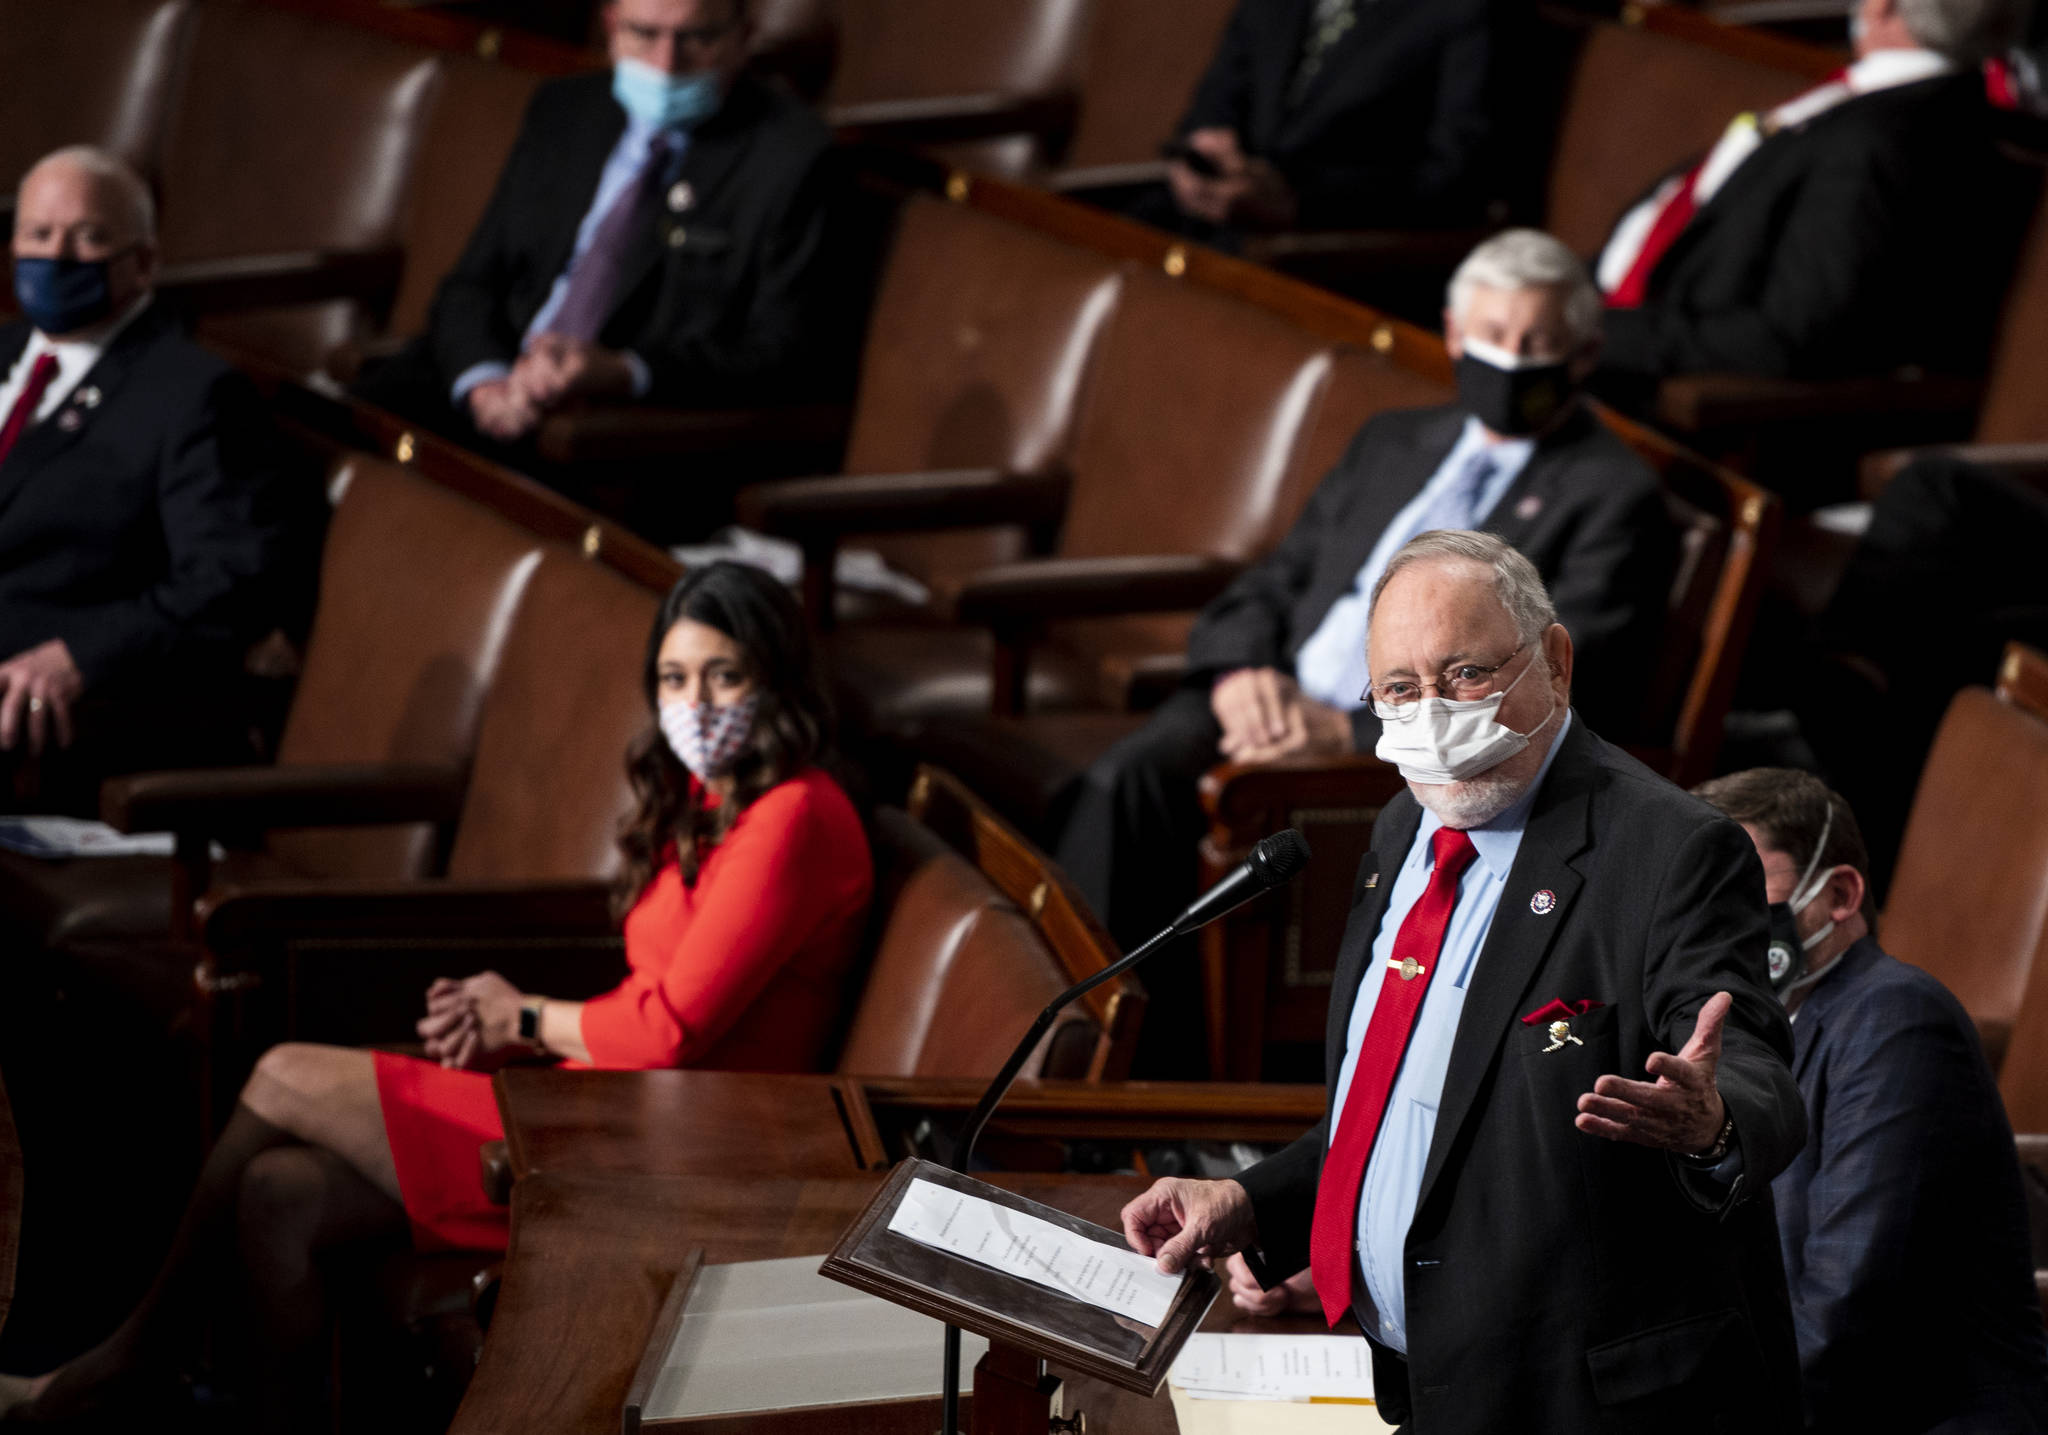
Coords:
pixel 1105 1276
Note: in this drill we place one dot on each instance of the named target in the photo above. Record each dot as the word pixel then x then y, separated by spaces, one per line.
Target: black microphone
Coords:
pixel 1274 861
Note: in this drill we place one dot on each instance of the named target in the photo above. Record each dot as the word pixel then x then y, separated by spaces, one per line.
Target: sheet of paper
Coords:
pixel 1274 1367
pixel 1111 1277
pixel 77 837
pixel 1272 1417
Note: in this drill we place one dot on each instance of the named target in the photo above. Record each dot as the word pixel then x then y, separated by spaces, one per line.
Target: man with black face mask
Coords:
pixel 143 524
pixel 1903 1214
pixel 1276 664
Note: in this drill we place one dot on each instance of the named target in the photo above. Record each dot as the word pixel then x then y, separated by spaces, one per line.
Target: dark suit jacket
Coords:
pixel 1396 126
pixel 1903 1214
pixel 1558 1281
pixel 1586 511
pixel 152 523
pixel 730 313
pixel 1878 234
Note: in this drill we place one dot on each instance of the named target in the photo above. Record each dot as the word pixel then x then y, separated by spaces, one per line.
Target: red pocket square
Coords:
pixel 1560 1011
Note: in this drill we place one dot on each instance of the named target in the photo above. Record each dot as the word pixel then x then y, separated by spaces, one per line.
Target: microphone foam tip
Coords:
pixel 1280 857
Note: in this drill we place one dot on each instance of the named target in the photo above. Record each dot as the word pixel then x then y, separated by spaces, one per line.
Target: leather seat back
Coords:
pixel 2013 412
pixel 925 49
pixel 73 72
pixel 1143 60
pixel 418 588
pixel 1969 898
pixel 1194 405
pixel 1361 384
pixel 548 788
pixel 461 151
pixel 291 134
pixel 1639 104
pixel 976 356
pixel 958 973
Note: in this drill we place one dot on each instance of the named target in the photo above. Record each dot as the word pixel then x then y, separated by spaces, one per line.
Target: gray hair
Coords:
pixel 113 172
pixel 1966 31
pixel 1515 579
pixel 1528 259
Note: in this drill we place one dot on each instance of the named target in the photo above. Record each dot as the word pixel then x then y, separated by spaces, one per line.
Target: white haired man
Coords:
pixel 1276 663
pixel 1559 1081
pixel 144 526
pixel 1866 224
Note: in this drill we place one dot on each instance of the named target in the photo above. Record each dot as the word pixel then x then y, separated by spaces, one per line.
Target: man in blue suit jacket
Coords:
pixel 1902 1221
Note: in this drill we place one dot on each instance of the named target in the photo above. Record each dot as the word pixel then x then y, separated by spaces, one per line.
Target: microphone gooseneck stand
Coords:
pixel 1274 861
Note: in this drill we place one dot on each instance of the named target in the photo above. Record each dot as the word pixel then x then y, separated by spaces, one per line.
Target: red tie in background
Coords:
pixel 24 408
pixel 1334 1235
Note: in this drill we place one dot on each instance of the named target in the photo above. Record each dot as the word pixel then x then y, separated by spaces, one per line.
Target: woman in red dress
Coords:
pixel 746 879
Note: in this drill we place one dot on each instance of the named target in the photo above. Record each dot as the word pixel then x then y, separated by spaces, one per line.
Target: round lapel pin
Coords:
pixel 1543 903
pixel 681 196
pixel 69 421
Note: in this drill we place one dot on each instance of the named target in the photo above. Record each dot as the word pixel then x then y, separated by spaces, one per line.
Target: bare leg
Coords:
pixel 324 1096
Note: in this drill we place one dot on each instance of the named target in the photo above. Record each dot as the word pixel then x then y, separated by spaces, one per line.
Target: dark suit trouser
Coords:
pixel 1129 845
pixel 1947 574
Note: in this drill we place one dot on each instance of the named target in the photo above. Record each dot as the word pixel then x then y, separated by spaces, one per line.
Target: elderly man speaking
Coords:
pixel 1559 1081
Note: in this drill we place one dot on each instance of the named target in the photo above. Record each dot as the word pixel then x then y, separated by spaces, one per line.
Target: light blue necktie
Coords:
pixel 1458 505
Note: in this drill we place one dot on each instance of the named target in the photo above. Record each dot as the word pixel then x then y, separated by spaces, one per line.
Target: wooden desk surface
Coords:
pixel 592 1257
pixel 10 1202
pixel 681 1123
pixel 677 1123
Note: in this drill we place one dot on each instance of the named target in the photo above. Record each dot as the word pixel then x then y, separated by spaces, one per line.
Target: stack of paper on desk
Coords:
pixel 1246 1384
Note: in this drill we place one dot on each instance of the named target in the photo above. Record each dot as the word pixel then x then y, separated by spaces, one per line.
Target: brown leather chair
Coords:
pixel 85 71
pixel 978 932
pixel 1969 899
pixel 989 83
pixel 976 355
pixel 526 886
pixel 1193 405
pixel 417 587
pixel 1138 75
pixel 279 228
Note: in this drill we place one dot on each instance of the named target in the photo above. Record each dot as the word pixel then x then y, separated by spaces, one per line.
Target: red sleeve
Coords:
pixel 794 861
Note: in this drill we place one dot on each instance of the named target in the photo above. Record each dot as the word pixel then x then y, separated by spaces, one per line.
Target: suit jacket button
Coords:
pixel 678 237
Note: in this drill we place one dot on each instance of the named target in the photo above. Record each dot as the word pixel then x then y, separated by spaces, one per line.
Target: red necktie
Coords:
pixel 1672 219
pixel 24 408
pixel 1334 1235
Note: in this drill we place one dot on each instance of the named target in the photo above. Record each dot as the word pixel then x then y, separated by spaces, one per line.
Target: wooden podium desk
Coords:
pixel 678 1123
pixel 592 1257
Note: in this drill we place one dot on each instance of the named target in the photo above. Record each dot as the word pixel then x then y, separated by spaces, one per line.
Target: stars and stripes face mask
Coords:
pixel 707 737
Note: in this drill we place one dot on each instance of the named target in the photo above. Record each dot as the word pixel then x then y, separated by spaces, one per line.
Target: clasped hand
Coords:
pixel 471 1020
pixel 1244 190
pixel 551 370
pixel 1265 715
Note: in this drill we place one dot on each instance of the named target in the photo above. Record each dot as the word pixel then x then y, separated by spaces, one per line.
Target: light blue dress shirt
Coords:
pixel 1393 1176
pixel 619 171
pixel 1330 665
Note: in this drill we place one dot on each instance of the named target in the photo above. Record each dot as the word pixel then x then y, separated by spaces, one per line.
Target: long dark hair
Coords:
pixel 792 727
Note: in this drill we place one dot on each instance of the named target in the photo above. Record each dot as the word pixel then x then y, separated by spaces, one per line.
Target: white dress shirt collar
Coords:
pixel 76 355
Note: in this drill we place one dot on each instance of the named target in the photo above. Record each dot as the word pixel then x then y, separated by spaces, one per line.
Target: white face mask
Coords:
pixel 1449 741
pixel 706 737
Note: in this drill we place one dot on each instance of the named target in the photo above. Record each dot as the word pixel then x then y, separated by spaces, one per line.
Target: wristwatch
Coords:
pixel 529 1020
pixel 1714 1154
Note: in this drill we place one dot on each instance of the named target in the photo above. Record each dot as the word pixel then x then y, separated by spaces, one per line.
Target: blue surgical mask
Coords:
pixel 62 296
pixel 666 101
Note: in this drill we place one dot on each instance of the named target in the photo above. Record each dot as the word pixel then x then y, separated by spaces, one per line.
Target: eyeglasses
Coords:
pixel 1399 699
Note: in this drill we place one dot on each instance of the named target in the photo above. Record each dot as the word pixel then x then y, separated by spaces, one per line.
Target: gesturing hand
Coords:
pixel 1177 1220
pixel 1682 1109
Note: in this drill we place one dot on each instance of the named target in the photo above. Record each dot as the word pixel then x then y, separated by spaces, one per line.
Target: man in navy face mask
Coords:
pixel 141 522
pixel 656 234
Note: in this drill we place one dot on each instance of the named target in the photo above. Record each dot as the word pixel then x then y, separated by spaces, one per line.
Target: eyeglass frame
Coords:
pixel 1405 712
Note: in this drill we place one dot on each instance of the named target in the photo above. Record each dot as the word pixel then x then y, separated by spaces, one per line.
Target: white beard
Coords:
pixel 1473 802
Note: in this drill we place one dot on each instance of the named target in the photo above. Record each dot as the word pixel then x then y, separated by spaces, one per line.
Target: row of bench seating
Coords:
pixel 303 239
